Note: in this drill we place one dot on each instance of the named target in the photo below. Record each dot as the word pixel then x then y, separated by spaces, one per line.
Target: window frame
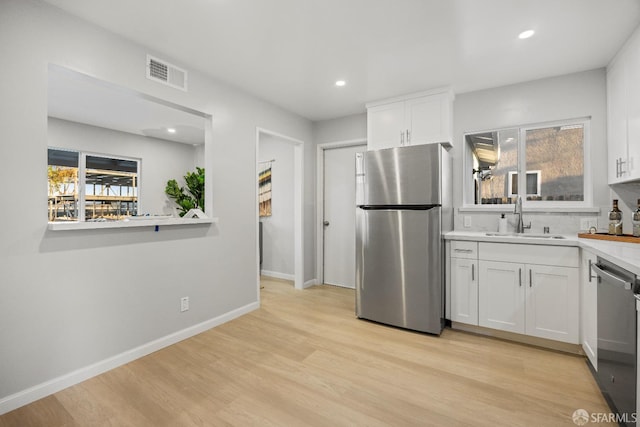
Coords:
pixel 82 163
pixel 538 174
pixel 555 205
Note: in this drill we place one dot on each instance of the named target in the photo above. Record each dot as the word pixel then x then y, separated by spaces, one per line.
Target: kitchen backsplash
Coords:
pixel 558 222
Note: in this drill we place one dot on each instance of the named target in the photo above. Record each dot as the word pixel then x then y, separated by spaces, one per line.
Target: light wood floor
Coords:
pixel 304 359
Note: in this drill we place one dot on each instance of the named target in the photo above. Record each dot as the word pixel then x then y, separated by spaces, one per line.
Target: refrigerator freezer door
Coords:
pixel 399 176
pixel 399 268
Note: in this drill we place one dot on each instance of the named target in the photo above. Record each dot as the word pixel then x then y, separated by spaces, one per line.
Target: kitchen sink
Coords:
pixel 530 236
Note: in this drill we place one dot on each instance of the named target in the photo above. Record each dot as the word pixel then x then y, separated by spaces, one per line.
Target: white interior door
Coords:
pixel 339 216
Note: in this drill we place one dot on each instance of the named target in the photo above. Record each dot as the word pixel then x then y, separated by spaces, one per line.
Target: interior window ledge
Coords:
pixel 68 226
pixel 537 209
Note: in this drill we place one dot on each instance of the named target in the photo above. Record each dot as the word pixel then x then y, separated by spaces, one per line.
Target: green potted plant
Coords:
pixel 194 196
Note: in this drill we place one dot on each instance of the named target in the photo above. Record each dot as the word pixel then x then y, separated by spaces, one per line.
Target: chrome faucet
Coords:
pixel 518 211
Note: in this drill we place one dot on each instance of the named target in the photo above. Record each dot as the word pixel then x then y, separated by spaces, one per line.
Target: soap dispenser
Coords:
pixel 502 224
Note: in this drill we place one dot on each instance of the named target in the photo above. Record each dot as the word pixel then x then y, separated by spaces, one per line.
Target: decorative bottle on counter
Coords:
pixel 636 221
pixel 615 220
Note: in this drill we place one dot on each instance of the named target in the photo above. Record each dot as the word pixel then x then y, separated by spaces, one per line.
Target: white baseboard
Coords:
pixel 47 388
pixel 277 275
pixel 309 283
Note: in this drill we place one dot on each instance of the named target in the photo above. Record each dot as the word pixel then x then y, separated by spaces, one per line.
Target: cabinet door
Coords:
pixel 632 62
pixel 464 290
pixel 427 119
pixel 552 296
pixel 589 308
pixel 501 296
pixel 616 120
pixel 386 126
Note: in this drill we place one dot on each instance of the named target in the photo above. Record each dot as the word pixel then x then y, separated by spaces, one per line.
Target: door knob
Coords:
pixel 325 223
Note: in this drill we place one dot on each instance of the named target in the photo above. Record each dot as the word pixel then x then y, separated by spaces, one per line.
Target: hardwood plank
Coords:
pixel 304 358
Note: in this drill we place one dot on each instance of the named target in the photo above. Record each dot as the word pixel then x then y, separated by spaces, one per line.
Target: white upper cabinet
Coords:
pixel 623 113
pixel 386 126
pixel 421 118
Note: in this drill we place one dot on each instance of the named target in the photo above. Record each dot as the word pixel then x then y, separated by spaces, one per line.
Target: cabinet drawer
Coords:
pixel 563 256
pixel 464 249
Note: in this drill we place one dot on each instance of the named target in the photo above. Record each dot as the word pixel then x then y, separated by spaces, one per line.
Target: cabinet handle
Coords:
pixel 618 168
pixel 466 251
pixel 473 272
pixel 520 276
pixel 401 138
pixel 530 279
pixel 622 171
pixel 408 136
pixel 591 276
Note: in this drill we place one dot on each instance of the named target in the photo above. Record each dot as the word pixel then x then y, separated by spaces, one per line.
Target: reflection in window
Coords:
pixel 495 157
pixel 62 172
pixel 533 184
pixel 559 153
pixel 108 189
pixel 111 188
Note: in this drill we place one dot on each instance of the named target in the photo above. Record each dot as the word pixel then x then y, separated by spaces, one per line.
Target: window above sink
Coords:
pixel 544 164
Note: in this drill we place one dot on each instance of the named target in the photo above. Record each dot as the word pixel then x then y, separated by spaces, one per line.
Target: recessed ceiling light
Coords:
pixel 526 34
pixel 340 83
pixel 171 130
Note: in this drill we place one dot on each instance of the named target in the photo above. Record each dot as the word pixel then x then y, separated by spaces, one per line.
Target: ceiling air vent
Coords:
pixel 163 72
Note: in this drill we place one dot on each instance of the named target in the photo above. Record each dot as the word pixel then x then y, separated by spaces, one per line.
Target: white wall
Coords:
pixel 73 299
pixel 278 229
pixel 565 97
pixel 160 160
pixel 341 129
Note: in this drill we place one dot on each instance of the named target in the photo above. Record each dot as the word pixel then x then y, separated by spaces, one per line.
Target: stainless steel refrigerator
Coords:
pixel 403 198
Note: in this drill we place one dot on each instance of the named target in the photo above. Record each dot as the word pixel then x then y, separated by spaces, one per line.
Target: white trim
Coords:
pixel 47 388
pixel 310 283
pixel 298 206
pixel 144 222
pixel 510 174
pixel 278 275
pixel 320 198
pixel 436 91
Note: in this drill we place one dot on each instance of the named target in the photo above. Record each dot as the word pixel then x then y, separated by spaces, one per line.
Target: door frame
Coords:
pixel 298 206
pixel 320 197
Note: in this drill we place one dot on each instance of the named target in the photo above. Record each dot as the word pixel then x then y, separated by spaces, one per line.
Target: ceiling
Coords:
pixel 291 52
pixel 83 99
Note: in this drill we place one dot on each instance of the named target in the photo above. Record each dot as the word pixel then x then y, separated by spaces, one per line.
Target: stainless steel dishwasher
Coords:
pixel 616 374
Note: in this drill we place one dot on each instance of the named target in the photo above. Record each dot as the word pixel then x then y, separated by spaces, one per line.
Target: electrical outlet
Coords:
pixel 184 304
pixel 467 221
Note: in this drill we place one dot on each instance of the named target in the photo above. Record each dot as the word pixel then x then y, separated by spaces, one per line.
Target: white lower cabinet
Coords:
pixel 501 296
pixel 553 305
pixel 464 282
pixel 589 308
pixel 519 288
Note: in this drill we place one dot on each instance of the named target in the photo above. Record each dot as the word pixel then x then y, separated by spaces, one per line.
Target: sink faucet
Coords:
pixel 518 211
